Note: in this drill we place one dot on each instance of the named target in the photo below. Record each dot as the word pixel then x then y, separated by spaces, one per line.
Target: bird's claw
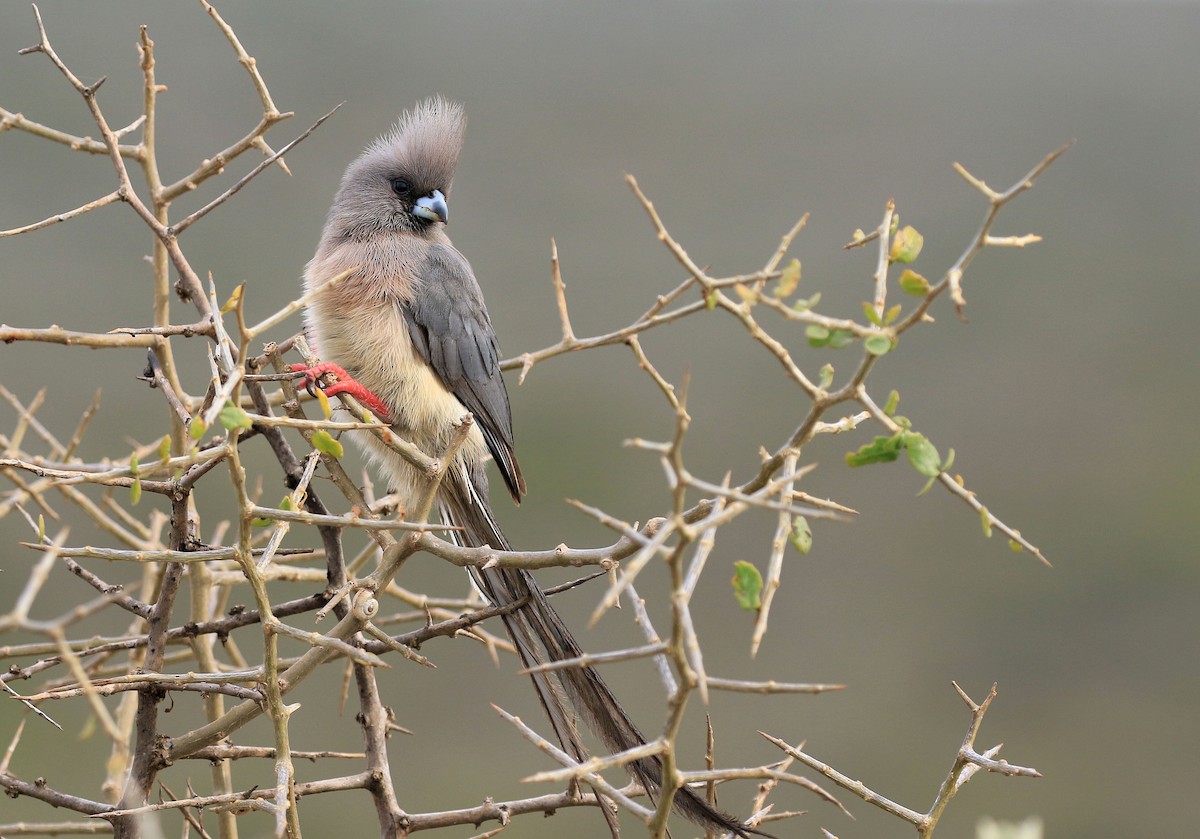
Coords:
pixel 345 384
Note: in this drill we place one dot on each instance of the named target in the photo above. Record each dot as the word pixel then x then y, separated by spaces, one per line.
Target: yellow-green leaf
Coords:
pixel 197 428
pixel 286 503
pixel 893 402
pixel 164 449
pixel 747 586
pixel 985 519
pixel 891 315
pixel 233 417
pixel 872 315
pixel 323 401
pixel 748 295
pixel 801 535
pixel 325 443
pixel 710 300
pixel 913 283
pixel 233 298
pixel 906 245
pixel 826 376
pixel 135 491
pixel 789 279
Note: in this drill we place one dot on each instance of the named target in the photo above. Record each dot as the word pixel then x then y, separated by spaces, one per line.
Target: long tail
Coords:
pixel 540 636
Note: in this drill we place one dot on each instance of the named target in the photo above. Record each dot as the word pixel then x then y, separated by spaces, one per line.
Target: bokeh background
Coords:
pixel 1067 395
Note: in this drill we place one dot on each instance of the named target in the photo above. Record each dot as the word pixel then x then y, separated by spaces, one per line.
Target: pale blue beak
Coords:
pixel 432 207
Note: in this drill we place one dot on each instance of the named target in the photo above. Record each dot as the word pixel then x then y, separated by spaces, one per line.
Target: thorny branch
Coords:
pixel 178 602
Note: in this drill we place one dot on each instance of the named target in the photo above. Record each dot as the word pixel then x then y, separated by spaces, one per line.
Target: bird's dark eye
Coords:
pixel 401 187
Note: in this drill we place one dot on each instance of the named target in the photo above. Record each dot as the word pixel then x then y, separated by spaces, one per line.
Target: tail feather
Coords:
pixel 540 635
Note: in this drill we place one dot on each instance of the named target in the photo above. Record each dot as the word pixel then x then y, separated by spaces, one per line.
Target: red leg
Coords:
pixel 345 384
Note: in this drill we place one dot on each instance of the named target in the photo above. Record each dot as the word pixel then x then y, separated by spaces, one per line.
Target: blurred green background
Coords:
pixel 1065 395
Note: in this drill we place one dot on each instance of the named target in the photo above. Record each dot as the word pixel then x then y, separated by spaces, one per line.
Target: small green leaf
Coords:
pixel 164 449
pixel 233 417
pixel 710 300
pixel 890 316
pixel 324 442
pixel 877 344
pixel 872 315
pixel 839 338
pixel 197 428
pixel 801 535
pixel 826 376
pixel 879 450
pixel 818 336
pixel 261 522
pixel 135 491
pixel 985 519
pixel 803 305
pixel 906 245
pixel 286 503
pixel 913 283
pixel 922 454
pixel 747 586
pixel 1015 546
pixel 893 402
pixel 789 279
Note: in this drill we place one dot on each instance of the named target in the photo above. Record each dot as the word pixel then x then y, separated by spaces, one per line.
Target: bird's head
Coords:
pixel 401 182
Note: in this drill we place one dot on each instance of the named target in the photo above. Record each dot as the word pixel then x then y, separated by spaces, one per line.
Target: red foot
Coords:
pixel 345 384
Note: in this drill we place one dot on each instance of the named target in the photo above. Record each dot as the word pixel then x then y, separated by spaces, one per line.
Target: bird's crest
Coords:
pixel 426 141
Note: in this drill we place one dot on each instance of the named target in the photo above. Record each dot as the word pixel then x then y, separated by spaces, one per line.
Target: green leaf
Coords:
pixel 913 283
pixel 906 245
pixel 286 503
pixel 164 449
pixel 261 522
pixel 197 428
pixel 891 314
pixel 839 338
pixel 789 279
pixel 985 519
pixel 872 315
pixel 877 344
pixel 893 402
pixel 1015 546
pixel 135 491
pixel 747 586
pixel 710 300
pixel 803 305
pixel 233 417
pixel 879 450
pixel 826 376
pixel 324 442
pixel 818 336
pixel 801 535
pixel 922 454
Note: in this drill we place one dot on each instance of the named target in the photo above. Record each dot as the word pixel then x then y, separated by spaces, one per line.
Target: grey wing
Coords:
pixel 449 326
